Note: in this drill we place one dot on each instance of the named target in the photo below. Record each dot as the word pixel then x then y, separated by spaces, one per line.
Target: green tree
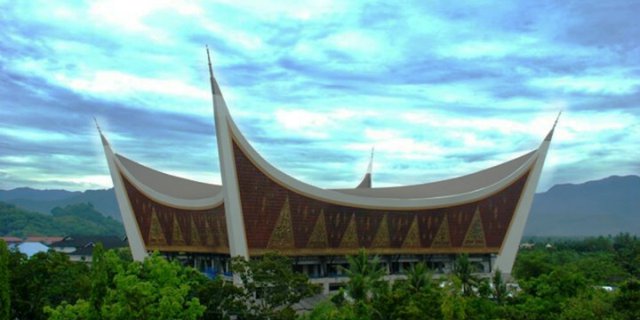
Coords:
pixel 105 265
pixel 326 310
pixel 419 279
pixel 463 270
pixel 365 276
pixel 530 264
pixel 593 304
pixel 152 289
pixel 453 305
pixel 627 249
pixel 628 300
pixel 45 279
pixel 221 298
pixel 271 287
pixel 417 297
pixel 5 296
pixel 499 287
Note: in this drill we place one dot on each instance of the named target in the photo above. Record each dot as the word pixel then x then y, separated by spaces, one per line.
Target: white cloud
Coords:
pixel 407 97
pixel 313 124
pixel 118 83
pixel 307 10
pixel 33 134
pixel 605 82
pixel 130 15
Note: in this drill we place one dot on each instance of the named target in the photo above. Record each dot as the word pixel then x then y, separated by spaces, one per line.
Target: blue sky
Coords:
pixel 440 88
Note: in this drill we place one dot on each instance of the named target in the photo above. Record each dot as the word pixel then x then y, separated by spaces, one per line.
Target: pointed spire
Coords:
pixel 370 168
pixel 550 134
pixel 366 181
pixel 557 118
pixel 102 137
pixel 211 78
pixel 97 125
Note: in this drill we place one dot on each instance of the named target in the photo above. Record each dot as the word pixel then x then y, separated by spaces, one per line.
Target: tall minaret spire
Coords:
pixel 232 202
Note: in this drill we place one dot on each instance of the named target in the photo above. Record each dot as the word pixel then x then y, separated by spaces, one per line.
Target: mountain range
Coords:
pixel 44 201
pixel 602 207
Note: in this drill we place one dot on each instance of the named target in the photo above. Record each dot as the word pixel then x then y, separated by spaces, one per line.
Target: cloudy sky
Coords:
pixel 440 88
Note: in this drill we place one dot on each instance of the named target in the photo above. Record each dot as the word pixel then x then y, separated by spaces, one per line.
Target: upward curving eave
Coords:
pixel 167 189
pixel 362 200
pixel 458 185
pixel 134 236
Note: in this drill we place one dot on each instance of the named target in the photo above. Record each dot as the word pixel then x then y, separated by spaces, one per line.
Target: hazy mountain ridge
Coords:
pixel 43 201
pixel 600 207
pixel 76 219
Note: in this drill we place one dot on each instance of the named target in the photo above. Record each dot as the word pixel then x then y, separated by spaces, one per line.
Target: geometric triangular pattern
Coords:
pixel 184 221
pixel 141 207
pixel 261 200
pixel 367 225
pixel 318 238
pixel 497 212
pixel 350 238
pixel 381 239
pixel 223 238
pixel 167 221
pixel 337 222
pixel 459 220
pixel 156 236
pixel 304 217
pixel 412 239
pixel 213 234
pixel 399 225
pixel 475 234
pixel 282 235
pixel 200 225
pixel 177 240
pixel 195 238
pixel 429 223
pixel 442 238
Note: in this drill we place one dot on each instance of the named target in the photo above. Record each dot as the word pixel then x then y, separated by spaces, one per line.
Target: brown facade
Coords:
pixel 279 219
pixel 170 229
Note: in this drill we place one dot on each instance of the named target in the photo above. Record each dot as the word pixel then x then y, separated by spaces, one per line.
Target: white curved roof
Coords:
pixel 168 189
pixel 454 191
pixel 463 184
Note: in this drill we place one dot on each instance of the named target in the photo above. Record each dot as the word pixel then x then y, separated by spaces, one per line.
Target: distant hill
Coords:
pixel 77 219
pixel 44 201
pixel 602 207
pixel 607 206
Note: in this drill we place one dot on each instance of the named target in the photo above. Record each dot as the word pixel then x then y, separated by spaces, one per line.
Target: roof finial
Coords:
pixel 102 137
pixel 213 87
pixel 97 125
pixel 557 118
pixel 370 168
pixel 550 134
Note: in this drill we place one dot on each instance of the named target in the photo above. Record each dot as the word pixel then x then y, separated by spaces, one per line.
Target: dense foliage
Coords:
pixel 5 298
pixel 77 219
pixel 49 285
pixel 594 278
